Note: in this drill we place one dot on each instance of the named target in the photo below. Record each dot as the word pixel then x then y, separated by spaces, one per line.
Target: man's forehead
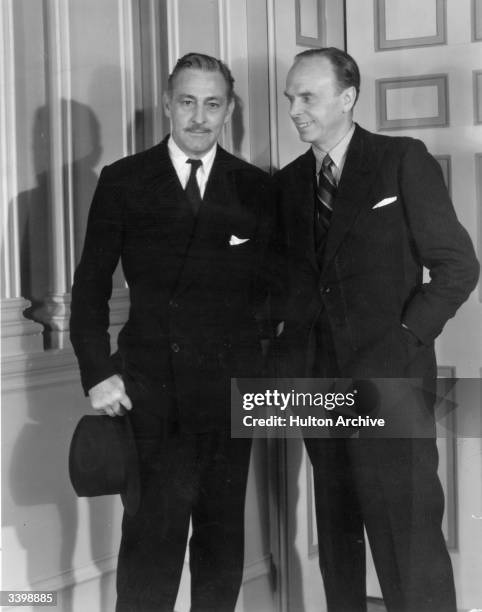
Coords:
pixel 308 71
pixel 196 80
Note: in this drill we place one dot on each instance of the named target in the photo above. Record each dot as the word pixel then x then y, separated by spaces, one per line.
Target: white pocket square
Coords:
pixel 234 240
pixel 385 202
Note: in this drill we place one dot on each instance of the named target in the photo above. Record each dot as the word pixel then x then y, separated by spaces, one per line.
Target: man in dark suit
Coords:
pixel 190 224
pixel 362 215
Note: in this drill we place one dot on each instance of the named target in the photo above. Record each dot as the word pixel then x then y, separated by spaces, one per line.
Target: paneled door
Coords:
pixel 421 77
pixel 420 62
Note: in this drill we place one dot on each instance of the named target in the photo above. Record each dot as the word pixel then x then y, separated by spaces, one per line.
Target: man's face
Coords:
pixel 320 111
pixel 198 107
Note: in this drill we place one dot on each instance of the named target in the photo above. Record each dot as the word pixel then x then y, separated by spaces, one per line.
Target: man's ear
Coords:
pixel 348 98
pixel 166 103
pixel 230 110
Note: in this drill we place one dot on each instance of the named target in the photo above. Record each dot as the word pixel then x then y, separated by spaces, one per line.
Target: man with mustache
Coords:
pixel 362 215
pixel 191 225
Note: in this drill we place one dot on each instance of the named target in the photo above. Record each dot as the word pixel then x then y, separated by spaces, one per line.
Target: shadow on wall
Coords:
pixel 237 125
pixel 38 501
pixel 44 509
pixel 34 205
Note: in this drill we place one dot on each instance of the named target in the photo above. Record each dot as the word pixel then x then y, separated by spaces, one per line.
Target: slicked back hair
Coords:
pixel 346 70
pixel 207 63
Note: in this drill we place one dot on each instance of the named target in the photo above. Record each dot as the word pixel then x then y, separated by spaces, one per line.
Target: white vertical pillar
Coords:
pixel 9 188
pixel 55 311
pixel 156 70
pixel 128 87
pixel 18 334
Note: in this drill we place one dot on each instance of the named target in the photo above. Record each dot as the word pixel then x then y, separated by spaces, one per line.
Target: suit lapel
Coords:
pixel 161 177
pixel 210 225
pixel 302 217
pixel 358 176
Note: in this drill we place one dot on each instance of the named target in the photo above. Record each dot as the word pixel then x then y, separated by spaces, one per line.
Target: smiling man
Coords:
pixel 363 215
pixel 190 225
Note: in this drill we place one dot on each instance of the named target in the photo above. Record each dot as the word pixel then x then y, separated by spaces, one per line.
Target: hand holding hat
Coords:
pixel 110 396
pixel 103 455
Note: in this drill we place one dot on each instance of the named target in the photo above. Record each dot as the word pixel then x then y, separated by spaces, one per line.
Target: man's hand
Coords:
pixel 109 396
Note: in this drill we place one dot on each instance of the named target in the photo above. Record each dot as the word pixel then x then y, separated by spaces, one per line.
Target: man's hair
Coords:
pixel 346 70
pixel 207 63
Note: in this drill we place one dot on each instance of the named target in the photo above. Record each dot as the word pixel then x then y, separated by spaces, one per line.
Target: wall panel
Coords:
pixel 457 140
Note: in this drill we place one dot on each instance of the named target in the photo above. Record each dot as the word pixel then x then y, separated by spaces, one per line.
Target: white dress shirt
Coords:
pixel 337 154
pixel 183 169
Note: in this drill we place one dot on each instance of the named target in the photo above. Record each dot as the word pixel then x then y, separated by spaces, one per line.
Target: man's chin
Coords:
pixel 200 141
pixel 305 137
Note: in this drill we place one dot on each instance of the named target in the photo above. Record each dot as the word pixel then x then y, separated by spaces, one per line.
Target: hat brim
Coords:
pixel 100 478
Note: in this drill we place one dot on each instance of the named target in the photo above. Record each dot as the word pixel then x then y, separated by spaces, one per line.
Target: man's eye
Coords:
pixel 186 102
pixel 213 105
pixel 306 98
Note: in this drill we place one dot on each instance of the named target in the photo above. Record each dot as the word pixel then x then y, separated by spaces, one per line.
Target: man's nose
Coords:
pixel 199 115
pixel 295 108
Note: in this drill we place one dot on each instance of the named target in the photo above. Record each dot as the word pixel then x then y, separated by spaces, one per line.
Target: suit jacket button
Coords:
pixel 327 290
pixel 175 347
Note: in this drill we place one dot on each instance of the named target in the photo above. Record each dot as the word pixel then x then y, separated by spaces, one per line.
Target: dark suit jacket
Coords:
pixel 371 276
pixel 193 297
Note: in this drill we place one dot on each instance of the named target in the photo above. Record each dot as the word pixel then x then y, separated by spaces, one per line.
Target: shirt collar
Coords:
pixel 337 153
pixel 179 158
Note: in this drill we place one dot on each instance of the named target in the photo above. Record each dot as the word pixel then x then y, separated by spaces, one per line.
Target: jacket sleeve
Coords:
pixel 92 288
pixel 442 245
pixel 269 269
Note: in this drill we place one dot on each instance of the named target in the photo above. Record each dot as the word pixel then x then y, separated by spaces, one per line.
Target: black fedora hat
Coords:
pixel 103 459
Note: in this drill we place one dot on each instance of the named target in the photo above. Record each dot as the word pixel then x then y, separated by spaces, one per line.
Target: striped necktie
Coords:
pixel 326 192
pixel 192 188
pixel 325 199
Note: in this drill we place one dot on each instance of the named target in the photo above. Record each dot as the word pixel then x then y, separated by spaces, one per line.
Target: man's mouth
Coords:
pixel 191 131
pixel 301 125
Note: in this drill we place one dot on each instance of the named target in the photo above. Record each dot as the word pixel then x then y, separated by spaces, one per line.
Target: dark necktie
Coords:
pixel 325 198
pixel 326 191
pixel 192 188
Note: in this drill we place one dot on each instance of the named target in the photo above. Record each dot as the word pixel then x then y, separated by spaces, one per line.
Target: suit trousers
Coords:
pixel 197 476
pixel 390 487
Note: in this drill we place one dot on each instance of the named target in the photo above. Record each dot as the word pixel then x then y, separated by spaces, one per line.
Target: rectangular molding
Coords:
pixel 313 12
pixel 445 162
pixel 477 81
pixel 320 23
pixel 447 444
pixel 425 111
pixel 384 43
pixel 476 20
